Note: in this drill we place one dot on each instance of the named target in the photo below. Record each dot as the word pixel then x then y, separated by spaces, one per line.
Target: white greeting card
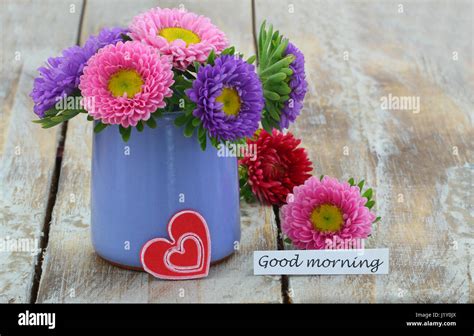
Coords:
pixel 301 262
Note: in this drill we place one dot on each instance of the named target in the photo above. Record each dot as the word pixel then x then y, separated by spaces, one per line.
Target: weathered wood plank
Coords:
pixel 73 273
pixel 27 153
pixel 419 163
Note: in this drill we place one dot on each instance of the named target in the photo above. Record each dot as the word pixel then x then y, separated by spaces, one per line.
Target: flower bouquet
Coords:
pixel 172 80
pixel 165 95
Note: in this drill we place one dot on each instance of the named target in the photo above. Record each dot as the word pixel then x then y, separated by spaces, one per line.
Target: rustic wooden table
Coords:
pixel 357 53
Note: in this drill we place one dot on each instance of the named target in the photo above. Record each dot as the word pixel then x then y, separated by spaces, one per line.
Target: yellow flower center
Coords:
pixel 327 218
pixel 230 100
pixel 125 81
pixel 172 34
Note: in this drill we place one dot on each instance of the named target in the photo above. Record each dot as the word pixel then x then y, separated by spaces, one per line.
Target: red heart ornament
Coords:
pixel 187 255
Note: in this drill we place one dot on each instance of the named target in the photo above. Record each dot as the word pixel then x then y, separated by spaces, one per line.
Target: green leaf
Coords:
pixel 46 122
pixel 188 110
pixel 140 126
pixel 125 132
pixel 68 113
pixel 273 123
pixel 370 204
pixel 201 132
pixel 245 189
pixel 54 117
pixel 287 240
pixel 266 44
pixel 211 57
pixel 377 219
pixel 58 119
pixel 251 59
pixel 351 181
pixel 321 177
pixel 243 172
pixel 203 142
pixel 189 129
pixel 361 185
pixel 125 37
pixel 51 112
pixel 246 194
pixel 65 115
pixel 99 127
pixel 281 47
pixel 261 37
pixel 274 113
pixel 278 66
pixel 151 122
pixel 157 114
pixel 283 99
pixel 266 126
pixel 287 71
pixel 214 141
pixel 368 194
pixel 276 78
pixel 271 95
pixel 90 118
pixel 49 125
pixel 181 120
pixel 196 122
pixel 196 65
pixel 228 51
pixel 282 89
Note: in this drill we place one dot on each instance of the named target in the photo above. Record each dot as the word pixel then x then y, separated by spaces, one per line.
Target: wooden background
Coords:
pixel 420 164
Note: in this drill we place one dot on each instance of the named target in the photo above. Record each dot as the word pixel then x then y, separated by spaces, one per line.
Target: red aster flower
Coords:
pixel 277 168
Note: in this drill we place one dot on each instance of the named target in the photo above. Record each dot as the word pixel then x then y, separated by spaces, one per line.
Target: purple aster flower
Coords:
pixel 229 98
pixel 60 76
pixel 298 86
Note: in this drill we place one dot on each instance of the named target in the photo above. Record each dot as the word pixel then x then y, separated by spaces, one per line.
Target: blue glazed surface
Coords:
pixel 139 185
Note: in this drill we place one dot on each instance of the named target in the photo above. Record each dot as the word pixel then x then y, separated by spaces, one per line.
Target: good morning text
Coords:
pixel 367 261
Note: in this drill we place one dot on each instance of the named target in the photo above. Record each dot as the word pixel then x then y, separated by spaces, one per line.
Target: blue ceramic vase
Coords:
pixel 139 185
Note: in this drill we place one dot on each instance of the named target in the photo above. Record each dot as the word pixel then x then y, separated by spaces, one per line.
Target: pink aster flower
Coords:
pixel 324 211
pixel 185 36
pixel 125 83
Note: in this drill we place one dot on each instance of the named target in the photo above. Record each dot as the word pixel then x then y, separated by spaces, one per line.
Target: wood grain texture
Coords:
pixel 73 273
pixel 420 164
pixel 32 31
